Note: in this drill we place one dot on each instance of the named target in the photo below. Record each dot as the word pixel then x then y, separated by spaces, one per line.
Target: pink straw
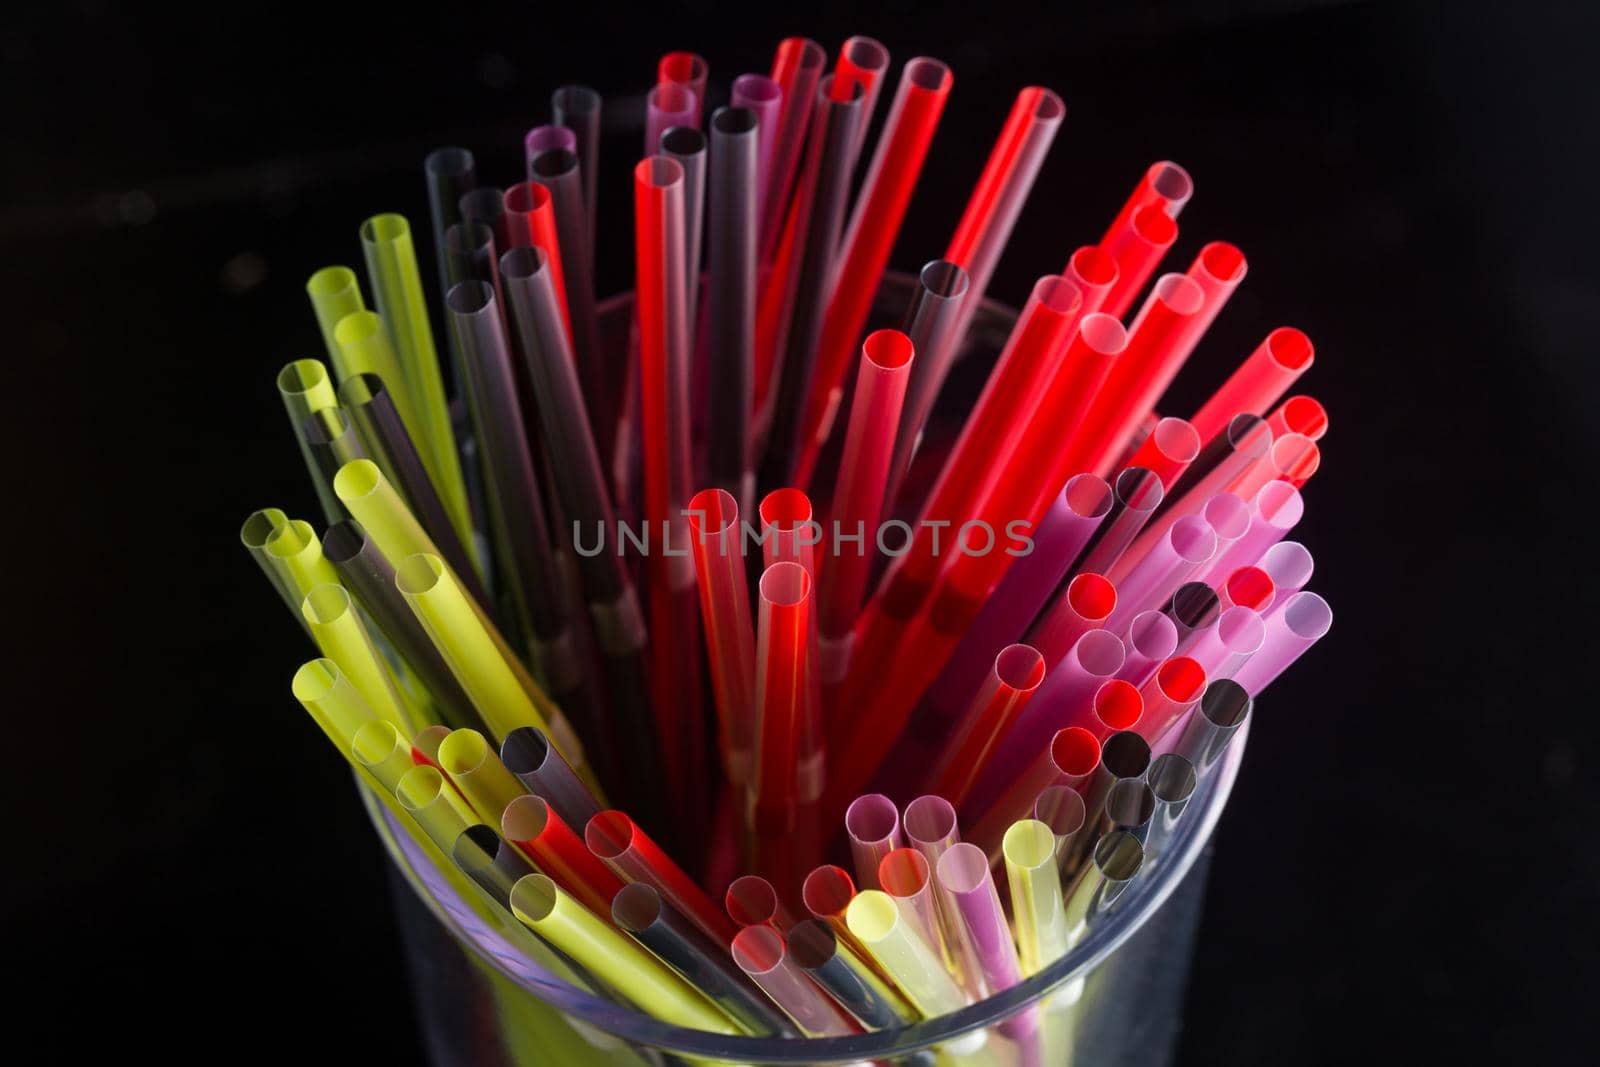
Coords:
pixel 1229 518
pixel 1067 691
pixel 907 876
pixel 1152 636
pixel 668 104
pixel 1293 626
pixel 1260 380
pixel 964 879
pixel 1289 565
pixel 1274 510
pixel 1223 648
pixel 764 96
pixel 1149 582
pixel 873 825
pixel 930 826
pixel 1088 603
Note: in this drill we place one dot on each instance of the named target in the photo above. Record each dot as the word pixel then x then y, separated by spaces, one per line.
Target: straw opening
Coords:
pixel 326 604
pixel 1180 293
pixel 331 281
pixel 1088 496
pixel 418 574
pixel 1241 630
pixel 419 787
pixel 1280 504
pixel 1172 778
pixel 1019 667
pixel 1288 564
pixel 712 511
pixel 1074 751
pixel 315 680
pixel 542 139
pixel 1225 704
pixel 827 890
pixel 1060 810
pixel 871 818
pixel 1118 856
pixel 866 53
pixel 1092 596
pixel 1305 415
pixel 524 750
pixel 1057 294
pixel 469 297
pixel 751 900
pixel 463 752
pixel 1194 605
pixel 785 508
pixel 887 349
pixel 576 99
pixel 929 75
pixel 756 88
pixel 942 278
pixel 609 834
pixel 1154 225
pixel 1049 106
pixel 290 539
pixel 1222 261
pixel 1029 843
pixel 1153 635
pixel 636 907
pixel 785 584
pixel 1139 489
pixel 1177 440
pixel 1125 754
pixel 903 872
pixel 872 915
pixel 734 120
pixel 1290 348
pixel 449 162
pixel 1193 539
pixel 1307 616
pixel 1171 182
pixel 533 898
pixel 555 161
pixel 1130 802
pixel 964 868
pixel 929 819
pixel 812 944
pixel 380 229
pixel 1118 704
pixel 1227 515
pixel 1250 587
pixel 356 479
pixel 525 198
pixel 1094 266
pixel 259 527
pixel 302 376
pixel 683 141
pixel 1180 680
pixel 757 949
pixel 375 741
pixel 524 262
pixel 682 67
pixel 1100 653
pixel 524 818
pixel 1102 333
pixel 658 172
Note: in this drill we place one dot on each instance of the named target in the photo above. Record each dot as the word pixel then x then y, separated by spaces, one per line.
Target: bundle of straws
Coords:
pixel 534 603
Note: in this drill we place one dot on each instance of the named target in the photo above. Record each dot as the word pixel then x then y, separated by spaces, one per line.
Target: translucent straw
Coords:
pixel 1205 734
pixel 1086 604
pixel 731 297
pixel 931 321
pixel 715 536
pixel 761 953
pixel 530 823
pixel 335 292
pixel 1292 627
pixel 930 826
pixel 1169 695
pixel 1258 383
pixel 789 529
pixel 1247 587
pixel 752 901
pixel 1298 414
pixel 259 527
pixel 304 387
pixel 788 741
pixel 907 876
pixel 831 963
pixel 1188 545
pixel 1194 607
pixel 668 104
pixel 764 97
pixel 1165 188
pixel 1217 269
pixel 964 880
pixel 426 795
pixel 796 69
pixel 1094 271
pixel 1117 857
pixel 1136 494
pixel 1069 758
pixel 1274 510
pixel 337 628
pixel 1030 854
pixel 1018 672
pixel 621 845
pixel 872 823
pixel 1060 808
pixel 876 921
pixel 687 146
pixel 1116 705
pixel 477 772
pixel 528 754
pixel 333 702
pixel 293 547
pixel 1138 243
pixel 1068 690
pixel 686 69
pixel 1169 450
pixel 1224 648
pixel 578 108
pixel 1289 565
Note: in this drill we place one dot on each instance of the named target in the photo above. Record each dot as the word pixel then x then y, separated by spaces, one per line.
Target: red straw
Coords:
pixel 715 534
pixel 531 220
pixel 688 69
pixel 788 763
pixel 1217 270
pixel 864 252
pixel 1177 684
pixel 789 529
pixel 1089 601
pixel 1248 587
pixel 997 199
pixel 1095 272
pixel 1069 759
pixel 796 68
pixel 533 826
pixel 1168 451
pixel 1138 245
pixel 862 61
pixel 1299 414
pixel 1261 379
pixel 1017 674
pixel 827 892
pixel 619 843
pixel 1117 705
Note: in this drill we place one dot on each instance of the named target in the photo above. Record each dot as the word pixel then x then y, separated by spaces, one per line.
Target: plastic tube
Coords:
pixel 1218 268
pixel 725 610
pixel 449 174
pixel 343 638
pixel 1248 587
pixel 931 321
pixel 547 138
pixel 788 741
pixel 874 224
pixel 1292 627
pixel 736 137
pixel 639 911
pixel 1060 809
pixel 1136 495
pixel 1086 604
pixel 578 108
pixel 334 703
pixel 1018 672
pixel 397 292
pixel 789 531
pixel 885 368
pixel 613 958
pixel 761 953
pixel 627 850
pixel 1298 414
pixel 831 157
pixel 1130 805
pixel 762 95
pixel 257 528
pixel 1274 510
pixel 907 876
pixel 1124 756
pixel 1069 759
pixel 1187 545
pixel 872 823
pixel 1151 637
pixel 1289 565
pixel 486 206
pixel 1115 706
pixel 687 146
pixel 827 892
pixel 1138 243
pixel 294 548
pixel 528 754
pixel 1205 734
pixel 796 69
pixel 425 794
pixel 667 104
pixel 1072 522
pixel 1193 609
pixel 1260 380
pixel 687 69
pixel 1068 691
pixel 1169 450
pixel 751 901
pixel 876 922
pixel 490 862
pixel 531 222
pixel 531 824
pixel 333 440
pixel 305 388
pixel 478 774
pixel 1222 649
pixel 1229 517
pixel 964 879
pixel 1116 859
pixel 1172 780
pixel 335 292
pixel 1169 695
pixel 818 951
pixel 1030 848
pixel 1094 271
pixel 930 826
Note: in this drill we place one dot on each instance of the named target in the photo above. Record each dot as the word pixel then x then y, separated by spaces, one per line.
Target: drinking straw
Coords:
pixel 826 892
pixel 1136 494
pixel 1165 185
pixel 1094 271
pixel 1169 695
pixel 885 366
pixel 1124 755
pixel 1299 414
pixel 1274 510
pixel 1294 459
pixel 1222 649
pixel 1117 857
pixel 305 388
pixel 617 961
pixel 687 145
pixel 1172 781
pixel 1070 524
pixel 621 845
pixel 872 823
pixel 531 223
pixel 1129 807
pixel 1069 758
pixel 528 754
pixel 819 220
pixel 788 763
pixel 1030 850
pixel 1152 636
pixel 295 548
pixel 342 636
pixel 372 408
pixel 1068 690
pixel 531 823
pixel 762 95
pixel 874 224
pixel 876 921
pixel 1018 672
pixel 1205 734
pixel 493 678
pixel 382 751
pixel 1186 546
pixel 731 296
pixel 1228 516
pixel 1289 565
pixel 863 61
pixel 577 107
pixel 817 949
pixel 486 206
pixel 796 69
pixel 258 528
pixel 1193 608
pixel 397 292
pixel 335 292
pixel 639 911
pixel 467 757
pixel 491 863
pixel 549 138
pixel 333 440
pixel 761 953
pixel 449 174
pixel 687 69
pixel 667 104
pixel 1160 338
pixel 1248 587
pixel 964 880
pixel 1085 604
pixel 1060 809
pixel 1160 195
pixel 725 610
pixel 931 321
pixel 789 531
pixel 1169 450
pixel 1261 379
pixel 425 748
pixel 425 795
pixel 521 540
pixel 333 701
pixel 752 901
pixel 1293 626
pixel 470 254
pixel 1116 705
pixel 930 826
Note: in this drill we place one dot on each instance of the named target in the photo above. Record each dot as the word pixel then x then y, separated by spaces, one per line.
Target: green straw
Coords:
pixel 305 388
pixel 1029 847
pixel 339 632
pixel 335 292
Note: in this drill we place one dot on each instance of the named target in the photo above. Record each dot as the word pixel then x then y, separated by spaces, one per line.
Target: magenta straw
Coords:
pixel 1069 759
pixel 542 139
pixel 964 879
pixel 761 953
pixel 931 826
pixel 1068 690
pixel 1152 636
pixel 1274 511
pixel 1292 627
pixel 1189 544
pixel 1072 520
pixel 668 104
pixel 1289 565
pixel 1088 602
pixel 1222 649
pixel 764 96
pixel 873 825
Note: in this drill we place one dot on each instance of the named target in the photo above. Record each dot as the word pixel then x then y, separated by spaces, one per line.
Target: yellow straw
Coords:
pixel 875 920
pixel 475 769
pixel 383 751
pixel 364 348
pixel 334 293
pixel 336 705
pixel 363 489
pixel 1029 847
pixel 295 547
pixel 435 806
pixel 339 632
pixel 612 957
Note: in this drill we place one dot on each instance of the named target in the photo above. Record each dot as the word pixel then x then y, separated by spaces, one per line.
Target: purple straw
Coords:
pixel 764 96
pixel 542 139
pixel 668 104
pixel 965 882
pixel 1224 647
pixel 1152 636
pixel 873 825
pixel 1187 546
pixel 1293 626
pixel 1274 510
pixel 1289 565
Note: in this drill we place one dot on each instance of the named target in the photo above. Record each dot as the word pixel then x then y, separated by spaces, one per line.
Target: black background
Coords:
pixel 1407 864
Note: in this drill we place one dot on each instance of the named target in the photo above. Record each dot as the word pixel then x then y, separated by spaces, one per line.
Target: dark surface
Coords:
pixel 1407 864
